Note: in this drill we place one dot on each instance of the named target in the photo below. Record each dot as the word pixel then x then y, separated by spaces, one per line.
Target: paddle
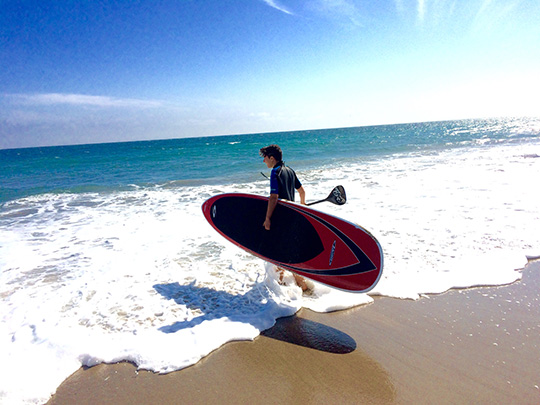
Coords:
pixel 337 196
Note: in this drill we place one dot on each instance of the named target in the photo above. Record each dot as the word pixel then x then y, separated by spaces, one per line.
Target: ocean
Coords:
pixel 105 255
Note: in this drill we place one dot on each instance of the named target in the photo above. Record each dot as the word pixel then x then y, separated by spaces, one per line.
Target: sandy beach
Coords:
pixel 479 345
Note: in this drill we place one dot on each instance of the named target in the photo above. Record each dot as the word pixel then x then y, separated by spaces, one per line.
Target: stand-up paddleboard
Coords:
pixel 308 242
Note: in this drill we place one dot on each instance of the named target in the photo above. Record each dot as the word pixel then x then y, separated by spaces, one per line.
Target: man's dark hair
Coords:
pixel 272 150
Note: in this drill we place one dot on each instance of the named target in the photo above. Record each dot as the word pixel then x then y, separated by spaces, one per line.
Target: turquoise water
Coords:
pixel 210 160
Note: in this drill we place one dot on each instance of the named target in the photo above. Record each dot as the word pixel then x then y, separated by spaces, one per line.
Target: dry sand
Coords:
pixel 478 345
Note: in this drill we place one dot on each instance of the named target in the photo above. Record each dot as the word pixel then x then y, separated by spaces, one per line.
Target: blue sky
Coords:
pixel 87 71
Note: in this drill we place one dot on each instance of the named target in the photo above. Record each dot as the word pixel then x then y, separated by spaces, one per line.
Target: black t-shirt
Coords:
pixel 283 182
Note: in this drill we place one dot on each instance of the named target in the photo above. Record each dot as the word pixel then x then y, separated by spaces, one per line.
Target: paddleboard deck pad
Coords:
pixel 308 242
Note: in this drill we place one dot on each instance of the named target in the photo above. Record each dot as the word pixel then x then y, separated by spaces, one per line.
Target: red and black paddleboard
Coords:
pixel 308 242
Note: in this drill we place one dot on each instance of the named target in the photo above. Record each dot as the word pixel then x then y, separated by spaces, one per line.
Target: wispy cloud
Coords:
pixel 491 14
pixel 399 6
pixel 484 6
pixel 277 6
pixel 56 119
pixel 51 99
pixel 421 7
pixel 344 11
pixel 477 15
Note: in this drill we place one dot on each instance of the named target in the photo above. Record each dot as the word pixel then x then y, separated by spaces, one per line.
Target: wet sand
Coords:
pixel 479 345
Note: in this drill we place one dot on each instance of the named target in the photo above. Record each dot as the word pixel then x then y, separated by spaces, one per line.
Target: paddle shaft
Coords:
pixel 331 198
pixel 317 202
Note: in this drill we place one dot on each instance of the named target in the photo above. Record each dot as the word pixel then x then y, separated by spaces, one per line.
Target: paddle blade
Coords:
pixel 337 196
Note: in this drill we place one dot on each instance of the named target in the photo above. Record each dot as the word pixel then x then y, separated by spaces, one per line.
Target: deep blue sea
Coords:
pixel 105 255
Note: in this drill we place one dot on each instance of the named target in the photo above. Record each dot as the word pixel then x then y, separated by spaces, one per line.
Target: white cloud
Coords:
pixel 421 10
pixel 277 6
pixel 344 10
pixel 491 14
pixel 50 99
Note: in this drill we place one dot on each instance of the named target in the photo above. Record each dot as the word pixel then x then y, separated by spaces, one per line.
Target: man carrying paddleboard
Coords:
pixel 283 183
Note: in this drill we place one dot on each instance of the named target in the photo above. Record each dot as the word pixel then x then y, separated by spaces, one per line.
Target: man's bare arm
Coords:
pixel 302 194
pixel 272 202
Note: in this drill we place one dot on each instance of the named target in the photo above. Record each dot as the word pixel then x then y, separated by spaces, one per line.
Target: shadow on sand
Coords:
pixel 307 333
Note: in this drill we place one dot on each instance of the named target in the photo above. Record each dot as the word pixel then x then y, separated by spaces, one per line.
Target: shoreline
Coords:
pixel 478 345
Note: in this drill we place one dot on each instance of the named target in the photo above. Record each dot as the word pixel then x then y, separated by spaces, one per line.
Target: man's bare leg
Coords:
pixel 298 279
